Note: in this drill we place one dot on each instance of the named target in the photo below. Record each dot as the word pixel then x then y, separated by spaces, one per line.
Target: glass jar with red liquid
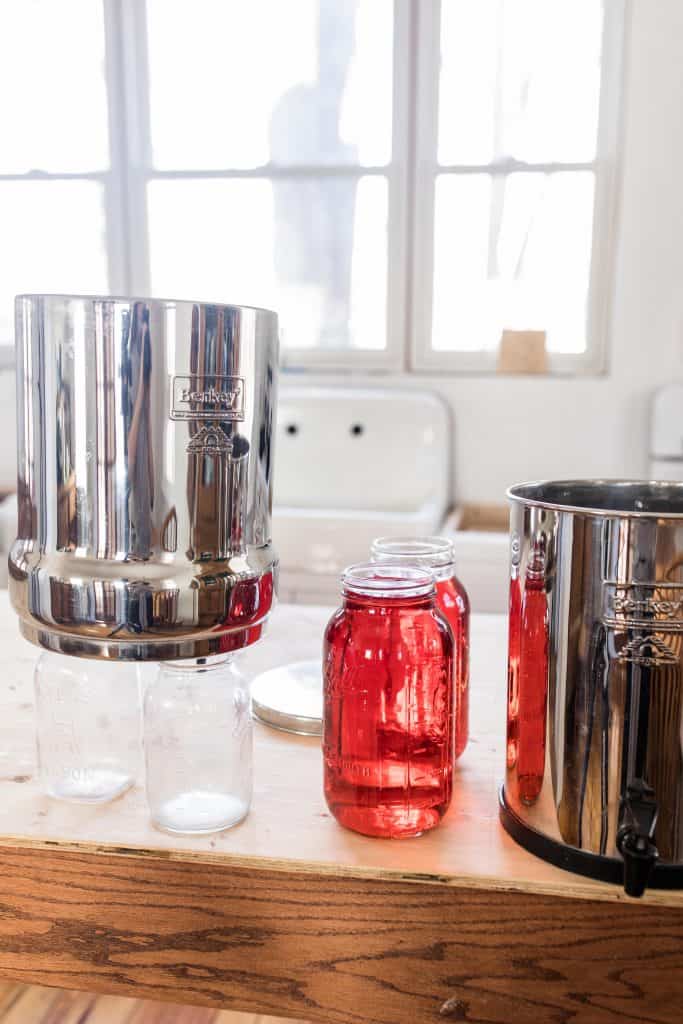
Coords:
pixel 388 703
pixel 437 555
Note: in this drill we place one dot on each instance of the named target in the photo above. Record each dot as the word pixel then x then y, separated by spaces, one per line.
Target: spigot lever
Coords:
pixel 635 836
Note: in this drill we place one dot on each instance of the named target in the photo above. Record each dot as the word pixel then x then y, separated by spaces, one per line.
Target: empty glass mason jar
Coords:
pixel 87 727
pixel 437 555
pixel 198 746
pixel 388 703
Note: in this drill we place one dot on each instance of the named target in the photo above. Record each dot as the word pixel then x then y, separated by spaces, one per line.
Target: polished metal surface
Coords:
pixel 144 475
pixel 610 558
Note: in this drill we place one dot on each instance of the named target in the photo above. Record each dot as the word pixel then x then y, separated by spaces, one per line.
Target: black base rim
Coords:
pixel 591 865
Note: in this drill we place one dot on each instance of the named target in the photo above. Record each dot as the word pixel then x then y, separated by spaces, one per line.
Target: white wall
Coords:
pixel 8 434
pixel 510 429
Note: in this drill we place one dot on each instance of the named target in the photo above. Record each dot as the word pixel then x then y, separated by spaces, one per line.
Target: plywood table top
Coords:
pixel 290 914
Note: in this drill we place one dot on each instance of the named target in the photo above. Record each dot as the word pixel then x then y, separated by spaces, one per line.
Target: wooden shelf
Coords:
pixel 288 914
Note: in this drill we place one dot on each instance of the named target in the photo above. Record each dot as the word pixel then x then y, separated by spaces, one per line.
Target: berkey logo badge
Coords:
pixel 207 397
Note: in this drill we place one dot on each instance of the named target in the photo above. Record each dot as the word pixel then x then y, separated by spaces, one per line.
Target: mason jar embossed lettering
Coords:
pixel 388 725
pixel 87 727
pixel 437 554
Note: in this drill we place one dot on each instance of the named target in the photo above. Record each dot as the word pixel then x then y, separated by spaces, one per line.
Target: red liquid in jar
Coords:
pixel 514 640
pixel 533 690
pixel 388 719
pixel 452 601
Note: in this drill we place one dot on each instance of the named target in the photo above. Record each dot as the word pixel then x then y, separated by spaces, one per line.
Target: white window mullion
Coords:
pixel 400 178
pixel 428 52
pixel 273 172
pixel 606 180
pixel 393 355
pixel 115 185
pixel 130 145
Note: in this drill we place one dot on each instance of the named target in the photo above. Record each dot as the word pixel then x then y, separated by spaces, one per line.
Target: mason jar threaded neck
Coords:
pixel 434 553
pixel 387 580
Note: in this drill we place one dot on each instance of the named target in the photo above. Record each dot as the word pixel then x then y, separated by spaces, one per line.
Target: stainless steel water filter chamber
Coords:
pixel 594 777
pixel 145 464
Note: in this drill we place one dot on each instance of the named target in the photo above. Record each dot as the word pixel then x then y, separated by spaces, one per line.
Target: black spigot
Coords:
pixel 634 838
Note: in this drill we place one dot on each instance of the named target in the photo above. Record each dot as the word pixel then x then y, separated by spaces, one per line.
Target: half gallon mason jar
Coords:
pixel 87 727
pixel 198 746
pixel 388 703
pixel 437 554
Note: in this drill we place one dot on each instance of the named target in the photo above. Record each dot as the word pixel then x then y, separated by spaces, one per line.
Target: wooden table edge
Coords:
pixel 572 887
pixel 315 944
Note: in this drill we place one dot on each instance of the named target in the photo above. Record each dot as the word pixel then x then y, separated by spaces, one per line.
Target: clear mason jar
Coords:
pixel 87 727
pixel 437 555
pixel 198 746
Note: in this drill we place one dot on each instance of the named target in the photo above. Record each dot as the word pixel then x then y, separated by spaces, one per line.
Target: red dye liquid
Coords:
pixel 388 718
pixel 514 641
pixel 452 601
pixel 533 690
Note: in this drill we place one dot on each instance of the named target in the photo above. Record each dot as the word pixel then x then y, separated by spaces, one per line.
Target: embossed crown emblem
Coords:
pixel 648 651
pixel 209 440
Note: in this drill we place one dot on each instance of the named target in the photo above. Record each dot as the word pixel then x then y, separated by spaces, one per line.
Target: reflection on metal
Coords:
pixel 169 532
pixel 144 477
pixel 614 718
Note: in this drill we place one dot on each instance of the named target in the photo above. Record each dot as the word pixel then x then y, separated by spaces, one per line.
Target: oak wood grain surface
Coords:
pixel 334 950
pixel 290 915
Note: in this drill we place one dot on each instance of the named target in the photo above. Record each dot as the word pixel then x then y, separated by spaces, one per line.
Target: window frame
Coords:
pixel 128 78
pixel 410 177
pixel 112 179
pixel 605 167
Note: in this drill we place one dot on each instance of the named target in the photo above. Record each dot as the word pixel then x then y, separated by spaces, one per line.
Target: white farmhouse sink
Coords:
pixel 352 464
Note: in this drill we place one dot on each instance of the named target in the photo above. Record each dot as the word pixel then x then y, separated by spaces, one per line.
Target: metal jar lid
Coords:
pixel 290 698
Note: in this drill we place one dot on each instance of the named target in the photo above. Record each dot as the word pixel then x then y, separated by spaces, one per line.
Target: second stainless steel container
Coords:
pixel 595 712
pixel 145 464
